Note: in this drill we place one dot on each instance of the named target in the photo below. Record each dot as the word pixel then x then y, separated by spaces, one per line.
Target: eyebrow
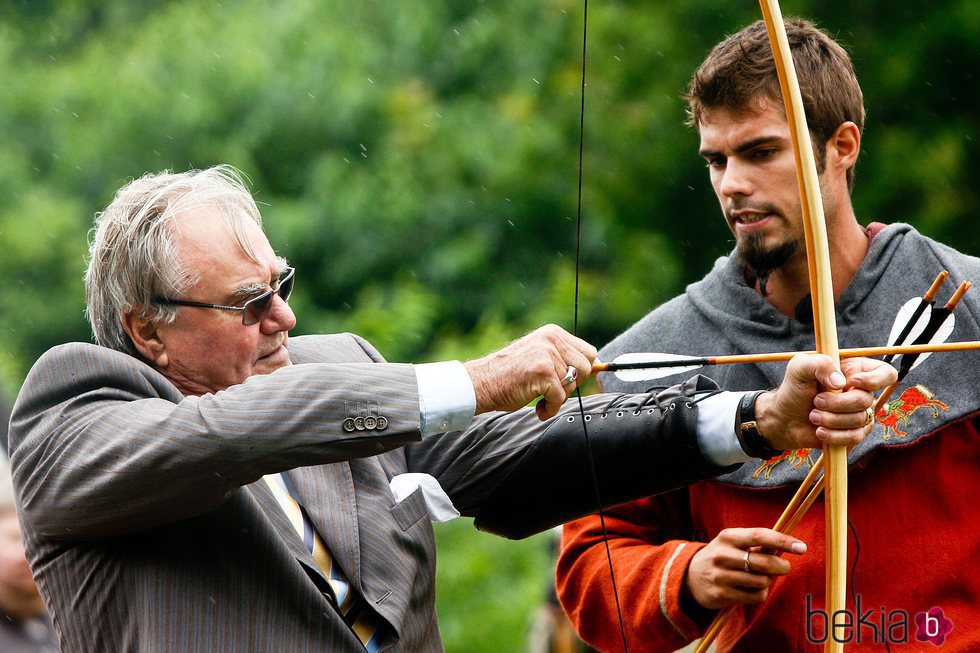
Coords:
pixel 249 290
pixel 746 146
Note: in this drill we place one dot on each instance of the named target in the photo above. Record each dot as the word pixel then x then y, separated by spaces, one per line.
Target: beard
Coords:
pixel 762 259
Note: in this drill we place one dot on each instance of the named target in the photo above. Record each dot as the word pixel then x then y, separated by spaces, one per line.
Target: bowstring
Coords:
pixel 578 390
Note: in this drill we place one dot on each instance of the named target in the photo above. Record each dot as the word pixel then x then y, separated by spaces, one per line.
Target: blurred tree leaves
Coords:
pixel 417 160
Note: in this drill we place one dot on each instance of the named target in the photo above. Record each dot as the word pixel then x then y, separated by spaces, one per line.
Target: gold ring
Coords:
pixel 871 416
pixel 748 566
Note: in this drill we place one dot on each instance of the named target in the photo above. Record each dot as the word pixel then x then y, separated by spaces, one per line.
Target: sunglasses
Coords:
pixel 254 309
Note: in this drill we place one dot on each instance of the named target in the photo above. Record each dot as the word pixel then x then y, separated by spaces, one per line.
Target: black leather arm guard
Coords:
pixel 640 445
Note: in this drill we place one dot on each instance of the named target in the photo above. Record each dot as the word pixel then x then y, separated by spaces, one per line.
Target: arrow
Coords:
pixel 938 329
pixel 912 315
pixel 649 366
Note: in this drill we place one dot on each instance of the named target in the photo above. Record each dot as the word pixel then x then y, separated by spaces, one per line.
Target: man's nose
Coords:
pixel 280 317
pixel 736 179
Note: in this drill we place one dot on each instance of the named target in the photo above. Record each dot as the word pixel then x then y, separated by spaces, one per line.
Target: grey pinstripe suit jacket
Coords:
pixel 149 529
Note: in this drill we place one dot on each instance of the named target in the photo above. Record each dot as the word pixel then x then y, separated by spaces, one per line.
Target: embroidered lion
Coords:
pixel 796 457
pixel 898 411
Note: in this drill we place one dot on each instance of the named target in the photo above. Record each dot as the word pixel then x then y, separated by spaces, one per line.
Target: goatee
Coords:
pixel 762 260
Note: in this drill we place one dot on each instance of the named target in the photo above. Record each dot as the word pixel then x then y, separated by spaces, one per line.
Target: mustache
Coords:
pixel 746 204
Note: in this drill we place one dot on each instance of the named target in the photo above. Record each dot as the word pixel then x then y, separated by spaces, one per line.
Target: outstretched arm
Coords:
pixel 644 444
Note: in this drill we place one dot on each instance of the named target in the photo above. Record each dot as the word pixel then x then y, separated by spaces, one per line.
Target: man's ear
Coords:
pixel 844 146
pixel 145 336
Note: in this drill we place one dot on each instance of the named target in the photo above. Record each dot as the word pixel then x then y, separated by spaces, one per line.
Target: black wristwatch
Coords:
pixel 746 429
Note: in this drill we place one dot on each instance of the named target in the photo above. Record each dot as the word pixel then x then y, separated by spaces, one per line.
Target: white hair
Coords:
pixel 133 252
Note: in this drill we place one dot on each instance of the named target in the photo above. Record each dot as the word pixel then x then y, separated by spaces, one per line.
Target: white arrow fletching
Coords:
pixel 651 373
pixel 904 314
pixel 942 334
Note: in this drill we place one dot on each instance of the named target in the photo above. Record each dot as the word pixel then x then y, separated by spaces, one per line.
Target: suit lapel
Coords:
pixel 270 506
pixel 327 494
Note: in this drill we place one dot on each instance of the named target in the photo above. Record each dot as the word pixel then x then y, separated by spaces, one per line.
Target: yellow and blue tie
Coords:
pixel 354 610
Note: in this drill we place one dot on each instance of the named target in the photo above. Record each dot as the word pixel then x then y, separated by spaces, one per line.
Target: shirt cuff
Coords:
pixel 447 401
pixel 716 430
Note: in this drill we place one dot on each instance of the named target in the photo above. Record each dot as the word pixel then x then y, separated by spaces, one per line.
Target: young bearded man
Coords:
pixel 682 556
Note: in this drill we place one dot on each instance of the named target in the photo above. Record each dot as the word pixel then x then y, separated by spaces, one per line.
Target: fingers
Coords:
pixel 868 374
pixel 579 358
pixel 839 413
pixel 842 429
pixel 843 437
pixel 844 419
pixel 844 403
pixel 554 396
pixel 765 538
pixel 575 347
pixel 804 369
pixel 531 367
pixel 569 352
pixel 738 566
pixel 863 373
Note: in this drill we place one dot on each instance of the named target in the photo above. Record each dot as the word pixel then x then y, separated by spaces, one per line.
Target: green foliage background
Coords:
pixel 417 161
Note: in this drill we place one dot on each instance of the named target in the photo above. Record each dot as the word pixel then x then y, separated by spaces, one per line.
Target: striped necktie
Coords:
pixel 354 610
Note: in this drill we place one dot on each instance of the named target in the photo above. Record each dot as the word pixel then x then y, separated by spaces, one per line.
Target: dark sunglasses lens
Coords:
pixel 286 287
pixel 256 308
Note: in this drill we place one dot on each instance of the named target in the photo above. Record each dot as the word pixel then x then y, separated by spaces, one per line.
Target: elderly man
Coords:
pixel 202 482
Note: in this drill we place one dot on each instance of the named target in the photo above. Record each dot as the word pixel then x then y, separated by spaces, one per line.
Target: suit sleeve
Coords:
pixel 102 445
pixel 650 550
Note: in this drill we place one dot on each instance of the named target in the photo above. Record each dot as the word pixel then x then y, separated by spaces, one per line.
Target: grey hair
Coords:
pixel 133 253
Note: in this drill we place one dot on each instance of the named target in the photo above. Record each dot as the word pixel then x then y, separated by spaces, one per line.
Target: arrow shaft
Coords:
pixel 969 345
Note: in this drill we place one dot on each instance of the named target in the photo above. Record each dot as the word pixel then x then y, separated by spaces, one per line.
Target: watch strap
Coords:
pixel 747 431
